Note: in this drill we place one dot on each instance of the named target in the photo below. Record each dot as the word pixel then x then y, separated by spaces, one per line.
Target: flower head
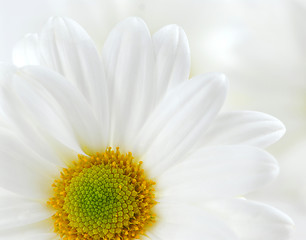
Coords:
pixel 124 146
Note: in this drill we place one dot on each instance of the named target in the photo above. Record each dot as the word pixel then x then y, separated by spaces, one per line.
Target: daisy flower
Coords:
pixel 123 146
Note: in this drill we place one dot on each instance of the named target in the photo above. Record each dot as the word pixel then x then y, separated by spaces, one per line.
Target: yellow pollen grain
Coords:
pixel 104 196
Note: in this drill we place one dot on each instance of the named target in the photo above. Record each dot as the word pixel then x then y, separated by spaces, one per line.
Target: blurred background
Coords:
pixel 259 44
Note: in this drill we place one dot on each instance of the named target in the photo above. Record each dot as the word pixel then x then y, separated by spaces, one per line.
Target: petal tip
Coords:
pixel 275 169
pixel 176 30
pixel 133 21
pixel 223 80
pixel 173 28
pixel 277 125
pixel 54 20
pixel 59 21
pixel 282 128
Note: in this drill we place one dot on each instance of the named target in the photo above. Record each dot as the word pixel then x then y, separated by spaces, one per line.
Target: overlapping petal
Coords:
pixel 182 116
pixel 41 229
pixel 181 222
pixel 66 48
pixel 57 108
pixel 244 127
pixel 172 58
pixel 221 171
pixel 21 211
pixel 26 51
pixel 129 63
pixel 15 118
pixel 251 220
pixel 21 170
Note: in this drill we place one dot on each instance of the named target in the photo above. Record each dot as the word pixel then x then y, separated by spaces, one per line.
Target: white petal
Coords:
pixel 20 121
pixel 181 222
pixel 43 228
pixel 22 171
pixel 40 107
pixel 219 171
pixel 6 71
pixel 149 238
pixel 172 57
pixel 65 47
pixel 181 117
pixel 19 211
pixel 244 127
pixel 129 60
pixel 43 236
pixel 73 107
pixel 26 52
pixel 251 220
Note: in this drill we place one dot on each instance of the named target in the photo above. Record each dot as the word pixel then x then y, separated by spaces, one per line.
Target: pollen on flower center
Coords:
pixel 103 196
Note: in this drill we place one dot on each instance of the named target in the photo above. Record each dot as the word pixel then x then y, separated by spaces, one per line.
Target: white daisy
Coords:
pixel 125 146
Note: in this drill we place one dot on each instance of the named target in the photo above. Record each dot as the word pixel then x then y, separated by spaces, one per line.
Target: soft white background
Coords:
pixel 259 44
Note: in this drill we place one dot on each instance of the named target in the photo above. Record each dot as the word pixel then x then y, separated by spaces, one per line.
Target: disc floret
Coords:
pixel 103 196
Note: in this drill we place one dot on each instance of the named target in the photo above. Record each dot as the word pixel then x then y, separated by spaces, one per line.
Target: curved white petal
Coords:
pixel 251 220
pixel 22 171
pixel 16 210
pixel 22 123
pixel 43 236
pixel 58 100
pixel 43 228
pixel 26 51
pixel 40 107
pixel 151 237
pixel 19 211
pixel 6 71
pixel 180 118
pixel 64 46
pixel 244 127
pixel 129 62
pixel 181 222
pixel 220 171
pixel 172 58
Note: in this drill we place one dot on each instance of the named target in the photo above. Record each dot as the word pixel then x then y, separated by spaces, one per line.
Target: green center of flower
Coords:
pixel 105 196
pixel 101 200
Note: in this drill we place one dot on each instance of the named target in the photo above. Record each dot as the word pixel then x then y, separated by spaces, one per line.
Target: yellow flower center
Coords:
pixel 103 196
